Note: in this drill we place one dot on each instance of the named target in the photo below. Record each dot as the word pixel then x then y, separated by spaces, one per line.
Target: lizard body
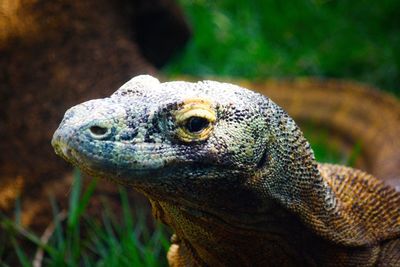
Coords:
pixel 232 174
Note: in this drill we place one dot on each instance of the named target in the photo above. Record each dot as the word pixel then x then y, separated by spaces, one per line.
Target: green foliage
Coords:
pixel 270 38
pixel 78 240
pixel 326 149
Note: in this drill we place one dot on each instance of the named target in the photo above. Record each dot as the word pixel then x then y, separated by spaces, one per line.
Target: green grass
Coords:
pixel 77 240
pixel 263 38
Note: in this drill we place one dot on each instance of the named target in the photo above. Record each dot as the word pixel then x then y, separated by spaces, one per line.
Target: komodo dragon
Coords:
pixel 231 173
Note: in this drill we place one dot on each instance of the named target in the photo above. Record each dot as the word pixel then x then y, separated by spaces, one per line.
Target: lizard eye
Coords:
pixel 195 120
pixel 196 124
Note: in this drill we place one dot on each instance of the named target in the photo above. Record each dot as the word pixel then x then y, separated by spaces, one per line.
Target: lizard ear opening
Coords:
pixel 263 160
pixel 137 86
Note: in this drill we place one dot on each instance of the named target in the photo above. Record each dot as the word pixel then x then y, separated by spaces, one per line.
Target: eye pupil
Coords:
pixel 196 124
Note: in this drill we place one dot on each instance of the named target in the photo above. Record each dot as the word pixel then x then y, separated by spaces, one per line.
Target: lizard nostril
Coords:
pixel 98 131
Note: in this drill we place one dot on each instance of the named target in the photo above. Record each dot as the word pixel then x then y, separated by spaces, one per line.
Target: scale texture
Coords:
pixel 233 175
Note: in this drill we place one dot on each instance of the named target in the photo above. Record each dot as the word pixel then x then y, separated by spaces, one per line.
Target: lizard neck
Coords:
pixel 311 198
pixel 291 177
pixel 207 239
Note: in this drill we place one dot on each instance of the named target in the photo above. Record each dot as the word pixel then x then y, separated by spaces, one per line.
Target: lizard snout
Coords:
pixel 60 147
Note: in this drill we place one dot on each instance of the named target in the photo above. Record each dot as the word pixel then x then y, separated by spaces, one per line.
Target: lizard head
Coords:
pixel 178 138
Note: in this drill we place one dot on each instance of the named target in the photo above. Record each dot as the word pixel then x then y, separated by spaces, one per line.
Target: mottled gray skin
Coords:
pixel 140 139
pixel 243 190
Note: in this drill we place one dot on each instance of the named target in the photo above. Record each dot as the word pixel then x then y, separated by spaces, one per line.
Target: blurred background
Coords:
pixel 357 40
pixel 55 54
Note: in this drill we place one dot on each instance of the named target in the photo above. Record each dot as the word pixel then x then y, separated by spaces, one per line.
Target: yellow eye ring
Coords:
pixel 195 120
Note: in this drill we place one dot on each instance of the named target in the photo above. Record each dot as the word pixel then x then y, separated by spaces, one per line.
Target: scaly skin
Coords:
pixel 355 112
pixel 234 177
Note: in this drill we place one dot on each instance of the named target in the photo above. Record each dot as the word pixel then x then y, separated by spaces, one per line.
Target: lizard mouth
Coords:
pixel 62 149
pixel 125 171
